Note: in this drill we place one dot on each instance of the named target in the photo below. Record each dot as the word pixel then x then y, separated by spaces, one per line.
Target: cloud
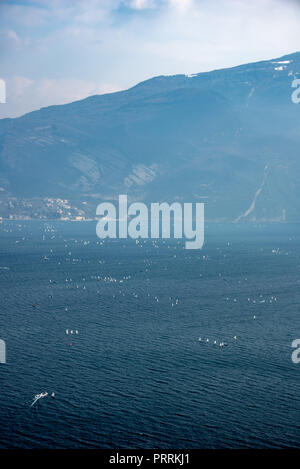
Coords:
pixel 181 5
pixel 66 49
pixel 9 40
pixel 142 4
pixel 26 95
pixel 19 87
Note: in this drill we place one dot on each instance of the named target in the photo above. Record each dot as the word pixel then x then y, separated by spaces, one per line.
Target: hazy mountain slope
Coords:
pixel 230 138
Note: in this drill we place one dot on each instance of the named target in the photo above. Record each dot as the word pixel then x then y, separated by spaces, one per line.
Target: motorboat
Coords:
pixel 39 396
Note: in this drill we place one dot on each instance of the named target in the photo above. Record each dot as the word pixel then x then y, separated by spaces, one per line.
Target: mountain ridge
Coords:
pixel 206 137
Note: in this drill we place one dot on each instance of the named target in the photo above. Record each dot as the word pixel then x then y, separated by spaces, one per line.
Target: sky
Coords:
pixel 58 51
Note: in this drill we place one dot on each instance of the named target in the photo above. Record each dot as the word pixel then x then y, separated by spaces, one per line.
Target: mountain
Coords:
pixel 229 138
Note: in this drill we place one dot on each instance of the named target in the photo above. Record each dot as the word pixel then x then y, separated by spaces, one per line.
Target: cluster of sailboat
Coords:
pixel 221 344
pixel 71 332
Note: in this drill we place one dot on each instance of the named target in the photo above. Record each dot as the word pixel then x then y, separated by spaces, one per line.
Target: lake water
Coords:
pixel 136 374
